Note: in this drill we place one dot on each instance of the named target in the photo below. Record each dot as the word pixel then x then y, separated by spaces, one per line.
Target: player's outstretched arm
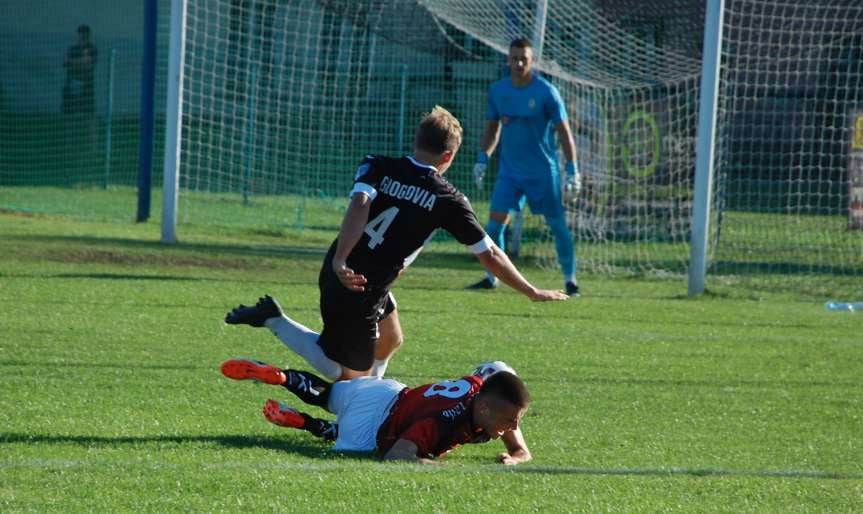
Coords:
pixel 406 450
pixel 351 231
pixel 516 448
pixel 495 260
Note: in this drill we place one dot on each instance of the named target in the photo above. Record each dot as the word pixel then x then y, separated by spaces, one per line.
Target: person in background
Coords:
pixel 80 64
pixel 524 112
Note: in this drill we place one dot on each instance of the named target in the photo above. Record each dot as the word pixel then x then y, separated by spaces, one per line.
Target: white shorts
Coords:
pixel 361 406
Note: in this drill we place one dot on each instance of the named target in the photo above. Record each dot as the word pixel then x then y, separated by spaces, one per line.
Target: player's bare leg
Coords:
pixel 348 373
pixel 390 340
pixel 299 338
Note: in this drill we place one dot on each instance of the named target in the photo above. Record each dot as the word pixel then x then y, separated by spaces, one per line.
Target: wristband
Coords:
pixel 481 157
pixel 571 168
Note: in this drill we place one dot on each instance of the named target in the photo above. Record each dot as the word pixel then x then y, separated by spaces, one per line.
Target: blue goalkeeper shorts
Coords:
pixel 543 195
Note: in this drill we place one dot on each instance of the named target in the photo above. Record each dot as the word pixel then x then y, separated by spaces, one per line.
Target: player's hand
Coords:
pixel 352 281
pixel 507 459
pixel 478 173
pixel 572 186
pixel 479 167
pixel 548 295
pixel 511 460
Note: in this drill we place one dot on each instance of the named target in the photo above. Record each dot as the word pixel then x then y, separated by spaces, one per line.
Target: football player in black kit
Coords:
pixel 396 205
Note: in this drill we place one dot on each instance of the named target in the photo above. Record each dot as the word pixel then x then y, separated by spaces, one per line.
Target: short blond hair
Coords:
pixel 439 131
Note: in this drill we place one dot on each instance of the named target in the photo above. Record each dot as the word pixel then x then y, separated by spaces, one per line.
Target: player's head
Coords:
pixel 84 31
pixel 520 58
pixel 502 401
pixel 438 137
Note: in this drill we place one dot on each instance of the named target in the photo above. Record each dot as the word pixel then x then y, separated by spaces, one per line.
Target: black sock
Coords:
pixel 308 387
pixel 326 430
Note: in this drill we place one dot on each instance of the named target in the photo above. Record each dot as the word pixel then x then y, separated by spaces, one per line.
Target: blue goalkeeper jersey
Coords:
pixel 528 148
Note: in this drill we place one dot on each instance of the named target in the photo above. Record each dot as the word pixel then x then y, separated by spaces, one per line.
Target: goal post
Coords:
pixel 173 122
pixel 705 145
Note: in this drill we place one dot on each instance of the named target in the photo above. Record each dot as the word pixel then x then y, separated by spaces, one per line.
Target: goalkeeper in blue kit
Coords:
pixel 524 112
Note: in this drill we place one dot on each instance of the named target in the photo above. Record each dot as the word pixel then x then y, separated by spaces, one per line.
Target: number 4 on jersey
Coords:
pixel 377 227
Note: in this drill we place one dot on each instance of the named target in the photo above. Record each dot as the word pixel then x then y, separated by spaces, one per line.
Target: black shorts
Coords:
pixel 351 320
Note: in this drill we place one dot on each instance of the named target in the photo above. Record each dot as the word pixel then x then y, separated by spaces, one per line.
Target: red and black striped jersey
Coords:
pixel 435 417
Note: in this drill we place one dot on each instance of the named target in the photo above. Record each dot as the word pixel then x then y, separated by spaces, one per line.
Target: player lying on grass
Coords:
pixel 397 422
pixel 396 206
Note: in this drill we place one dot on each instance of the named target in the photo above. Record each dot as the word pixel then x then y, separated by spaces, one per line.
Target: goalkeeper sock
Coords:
pixel 494 229
pixel 563 243
pixel 304 342
pixel 308 387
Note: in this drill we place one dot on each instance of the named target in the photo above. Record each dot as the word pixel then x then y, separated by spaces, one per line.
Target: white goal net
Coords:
pixel 282 99
pixel 790 97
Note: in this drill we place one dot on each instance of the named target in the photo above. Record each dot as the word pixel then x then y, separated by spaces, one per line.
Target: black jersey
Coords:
pixel 409 202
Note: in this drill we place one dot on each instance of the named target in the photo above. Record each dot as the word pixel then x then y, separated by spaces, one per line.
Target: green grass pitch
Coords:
pixel 644 400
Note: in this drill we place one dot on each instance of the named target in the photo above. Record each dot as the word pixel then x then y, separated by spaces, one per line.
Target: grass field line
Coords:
pixel 444 468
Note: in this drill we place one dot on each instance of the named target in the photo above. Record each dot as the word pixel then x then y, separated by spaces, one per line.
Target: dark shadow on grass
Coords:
pixel 288 444
pixel 233 256
pixel 219 309
pixel 430 258
pixel 748 267
pixel 124 276
pixel 760 268
pixel 94 365
pixel 216 250
pixel 320 451
pixel 545 470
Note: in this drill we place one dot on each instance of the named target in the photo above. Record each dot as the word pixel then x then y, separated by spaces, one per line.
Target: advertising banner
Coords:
pixel 855 172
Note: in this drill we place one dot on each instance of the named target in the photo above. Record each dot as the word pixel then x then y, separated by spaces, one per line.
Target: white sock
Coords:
pixel 491 277
pixel 570 278
pixel 380 367
pixel 304 342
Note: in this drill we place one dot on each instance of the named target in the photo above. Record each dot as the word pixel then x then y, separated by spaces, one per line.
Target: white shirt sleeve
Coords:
pixel 483 245
pixel 366 189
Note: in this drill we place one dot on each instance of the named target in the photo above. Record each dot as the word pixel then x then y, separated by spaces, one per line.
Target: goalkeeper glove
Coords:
pixel 479 167
pixel 573 178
